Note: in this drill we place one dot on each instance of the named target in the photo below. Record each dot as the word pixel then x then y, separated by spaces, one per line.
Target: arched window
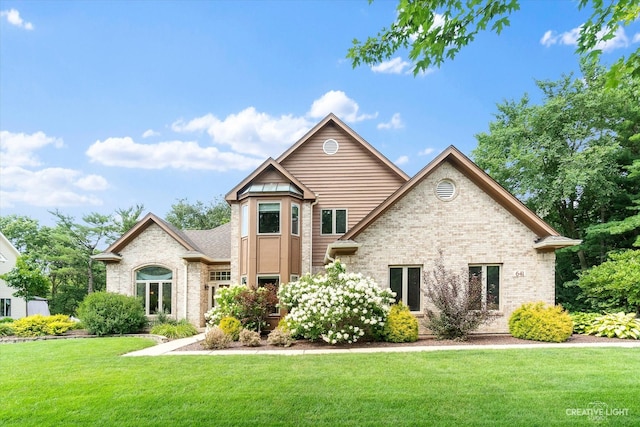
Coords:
pixel 154 285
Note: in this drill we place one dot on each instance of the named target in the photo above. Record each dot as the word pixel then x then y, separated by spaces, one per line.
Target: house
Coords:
pixel 333 195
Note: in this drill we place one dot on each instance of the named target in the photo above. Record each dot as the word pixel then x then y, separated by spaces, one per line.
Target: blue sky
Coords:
pixel 107 104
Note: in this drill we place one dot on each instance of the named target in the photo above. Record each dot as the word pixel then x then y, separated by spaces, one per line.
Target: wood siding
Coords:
pixel 354 179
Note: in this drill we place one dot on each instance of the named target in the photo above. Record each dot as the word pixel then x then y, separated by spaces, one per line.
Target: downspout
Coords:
pixel 311 235
pixel 186 287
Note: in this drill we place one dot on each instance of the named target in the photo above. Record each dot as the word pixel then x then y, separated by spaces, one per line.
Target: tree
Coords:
pixel 85 238
pixel 436 30
pixel 125 219
pixel 199 216
pixel 567 158
pixel 28 281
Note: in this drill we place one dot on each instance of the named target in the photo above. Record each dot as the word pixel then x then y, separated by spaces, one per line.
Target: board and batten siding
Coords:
pixel 354 178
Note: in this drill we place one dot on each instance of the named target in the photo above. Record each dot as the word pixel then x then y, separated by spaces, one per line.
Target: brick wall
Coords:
pixel 470 229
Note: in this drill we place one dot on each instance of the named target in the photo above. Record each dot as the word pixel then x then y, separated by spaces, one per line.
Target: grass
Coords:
pixel 85 382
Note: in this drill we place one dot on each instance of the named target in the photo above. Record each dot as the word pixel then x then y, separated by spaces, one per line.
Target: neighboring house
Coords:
pixel 333 195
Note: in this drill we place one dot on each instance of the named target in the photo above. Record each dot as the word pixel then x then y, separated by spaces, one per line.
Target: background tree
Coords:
pixel 568 160
pixel 28 280
pixel 199 216
pixel 436 30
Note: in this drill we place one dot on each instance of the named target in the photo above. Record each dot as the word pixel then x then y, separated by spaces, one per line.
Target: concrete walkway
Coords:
pixel 170 348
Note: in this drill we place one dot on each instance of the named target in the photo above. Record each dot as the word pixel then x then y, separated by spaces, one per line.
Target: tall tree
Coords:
pixel 436 30
pixel 28 280
pixel 86 238
pixel 125 219
pixel 199 216
pixel 568 160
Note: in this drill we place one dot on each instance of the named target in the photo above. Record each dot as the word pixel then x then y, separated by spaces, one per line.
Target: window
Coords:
pixel 295 219
pixel 268 218
pixel 270 280
pixel 154 286
pixel 244 220
pixel 220 276
pixel 294 278
pixel 487 279
pixel 405 282
pixel 334 221
pixel 5 307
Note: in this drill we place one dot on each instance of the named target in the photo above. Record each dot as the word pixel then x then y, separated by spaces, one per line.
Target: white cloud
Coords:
pixel 402 160
pixel 124 152
pixel 249 132
pixel 338 103
pixel 426 151
pixel 570 38
pixel 393 66
pixel 18 149
pixel 47 187
pixel 50 187
pixel 394 123
pixel 636 38
pixel 149 133
pixel 14 18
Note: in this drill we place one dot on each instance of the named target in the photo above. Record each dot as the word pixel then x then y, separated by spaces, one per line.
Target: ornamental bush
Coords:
pixel 226 305
pixel 104 313
pixel 541 322
pixel 249 338
pixel 6 329
pixel 401 325
pixel 173 329
pixel 616 325
pixel 216 339
pixel 231 326
pixel 337 307
pixel 38 325
pixel 252 306
pixel 280 337
pixel 582 321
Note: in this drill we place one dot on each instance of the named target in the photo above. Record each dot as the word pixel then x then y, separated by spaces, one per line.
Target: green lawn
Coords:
pixel 85 382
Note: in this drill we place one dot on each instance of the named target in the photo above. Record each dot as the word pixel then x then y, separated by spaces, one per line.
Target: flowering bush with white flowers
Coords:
pixel 337 307
pixel 226 305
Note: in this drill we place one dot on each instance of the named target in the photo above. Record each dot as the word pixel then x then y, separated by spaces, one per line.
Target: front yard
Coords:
pixel 85 382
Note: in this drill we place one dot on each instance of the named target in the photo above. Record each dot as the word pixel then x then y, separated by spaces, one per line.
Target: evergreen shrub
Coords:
pixel 231 326
pixel 104 313
pixel 401 325
pixel 539 321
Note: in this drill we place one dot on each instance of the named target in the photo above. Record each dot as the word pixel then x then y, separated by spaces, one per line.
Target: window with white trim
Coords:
pixel 269 218
pixel 487 277
pixel 5 307
pixel 154 286
pixel 220 276
pixel 295 219
pixel 405 281
pixel 333 221
pixel 244 220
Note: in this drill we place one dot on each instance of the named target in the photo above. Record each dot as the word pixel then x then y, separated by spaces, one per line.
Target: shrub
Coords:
pixel 226 305
pixel 231 326
pixel 616 325
pixel 401 325
pixel 249 338
pixel 216 339
pixel 173 330
pixel 38 325
pixel 541 322
pixel 163 318
pixel 581 321
pixel 6 320
pixel 104 313
pixel 6 329
pixel 256 305
pixel 458 302
pixel 280 338
pixel 336 307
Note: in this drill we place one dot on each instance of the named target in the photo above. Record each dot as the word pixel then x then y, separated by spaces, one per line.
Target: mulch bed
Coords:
pixel 423 341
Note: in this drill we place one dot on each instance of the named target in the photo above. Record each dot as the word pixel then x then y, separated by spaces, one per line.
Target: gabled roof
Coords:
pixel 233 194
pixel 332 118
pixel 477 176
pixel 9 245
pixel 200 245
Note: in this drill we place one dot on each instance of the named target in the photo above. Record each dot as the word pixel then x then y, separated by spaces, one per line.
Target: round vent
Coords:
pixel 446 190
pixel 330 146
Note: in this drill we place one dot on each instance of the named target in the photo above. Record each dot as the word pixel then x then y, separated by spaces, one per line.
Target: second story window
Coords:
pixel 268 218
pixel 334 221
pixel 295 219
